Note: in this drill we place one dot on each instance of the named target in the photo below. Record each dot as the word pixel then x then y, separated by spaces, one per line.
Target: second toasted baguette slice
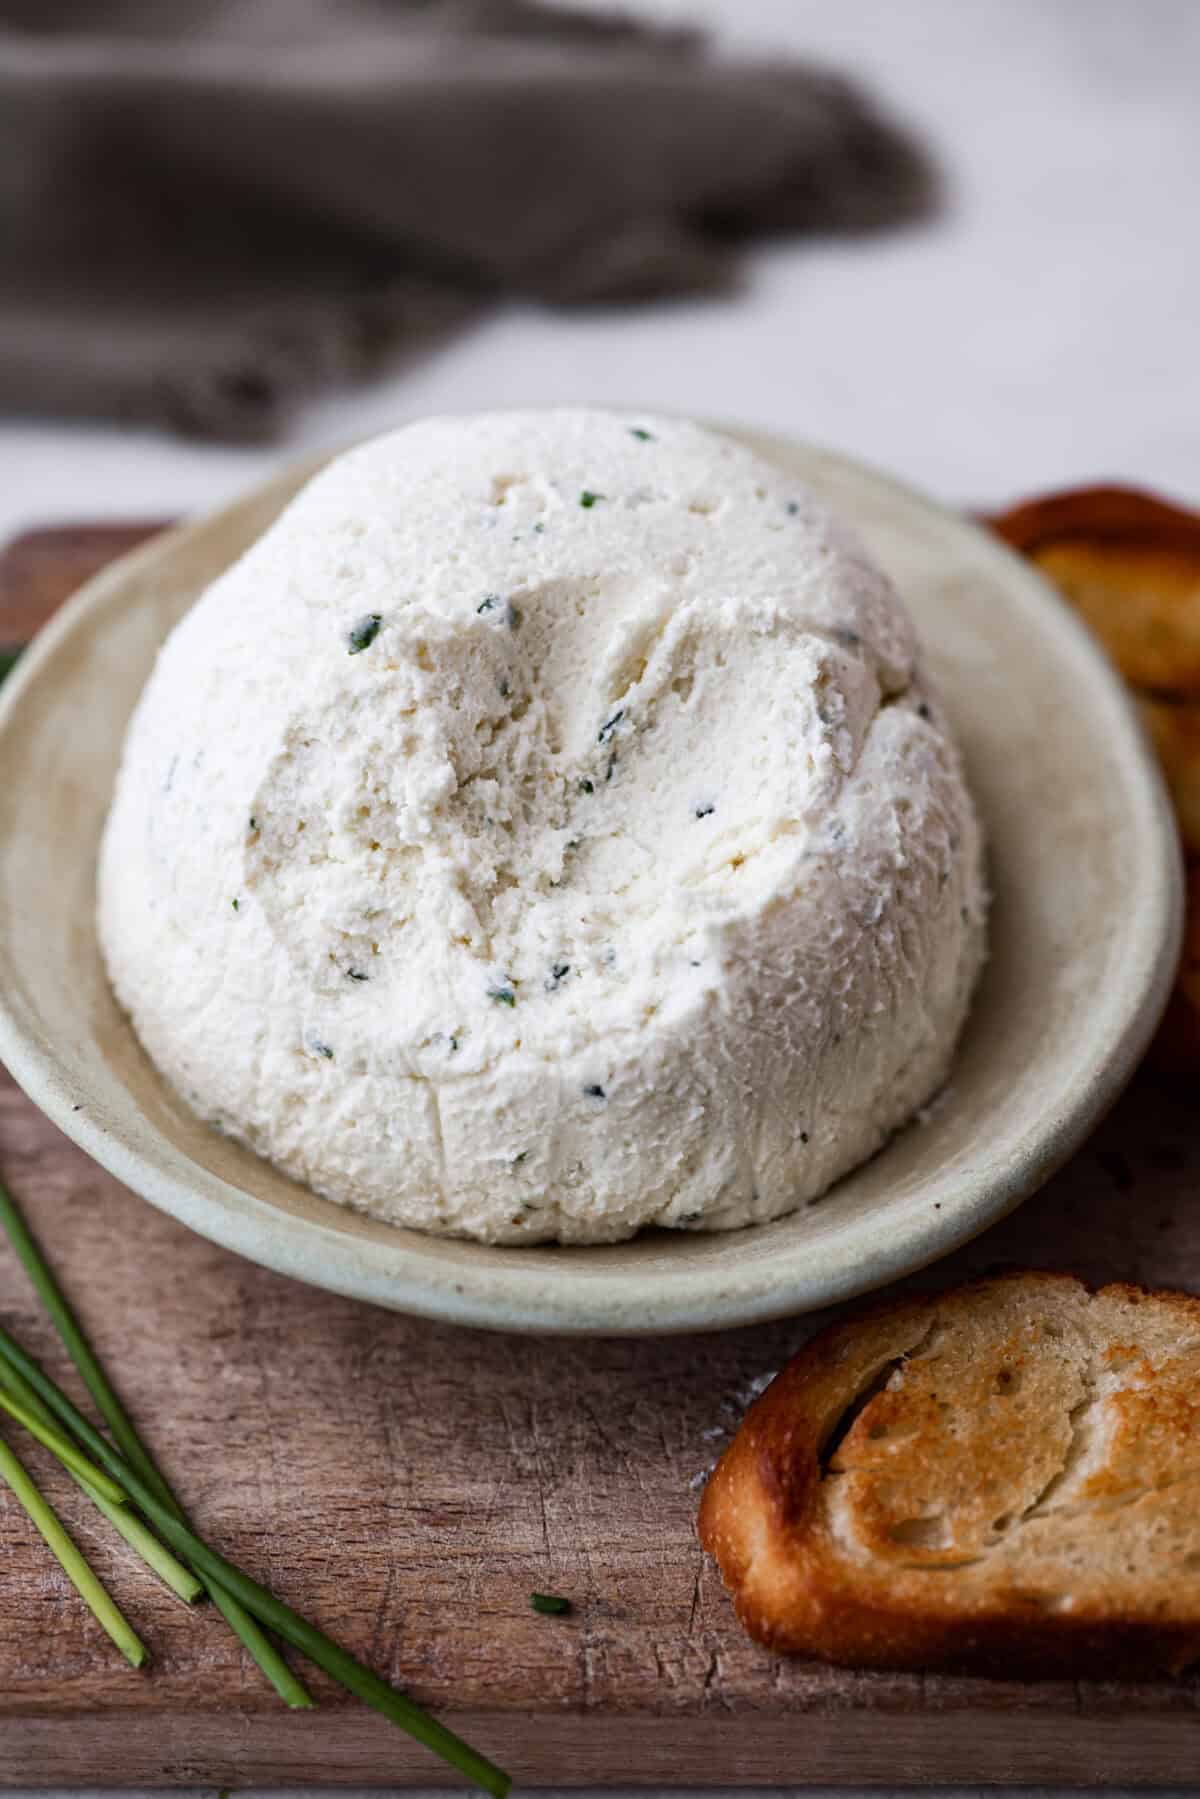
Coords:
pixel 1005 1478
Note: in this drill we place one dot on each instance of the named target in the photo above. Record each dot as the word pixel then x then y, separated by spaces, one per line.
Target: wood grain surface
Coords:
pixel 40 569
pixel 408 1485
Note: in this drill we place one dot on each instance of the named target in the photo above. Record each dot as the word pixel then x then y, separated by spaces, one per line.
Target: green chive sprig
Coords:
pixel 139 1480
pixel 218 1572
pixel 63 1448
pixel 141 1540
pixel 71 1558
pixel 255 1642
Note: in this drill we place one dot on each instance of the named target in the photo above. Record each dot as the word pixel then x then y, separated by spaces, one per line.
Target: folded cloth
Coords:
pixel 209 209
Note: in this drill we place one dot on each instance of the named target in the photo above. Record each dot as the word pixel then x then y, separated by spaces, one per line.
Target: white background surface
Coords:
pixel 1042 331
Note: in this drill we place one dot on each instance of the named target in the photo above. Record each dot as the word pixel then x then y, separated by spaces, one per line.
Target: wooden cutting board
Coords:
pixel 408 1485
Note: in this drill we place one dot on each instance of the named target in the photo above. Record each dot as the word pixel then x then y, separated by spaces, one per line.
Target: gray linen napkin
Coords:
pixel 209 209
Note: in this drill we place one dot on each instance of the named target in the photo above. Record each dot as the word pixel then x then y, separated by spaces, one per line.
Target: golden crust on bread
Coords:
pixel 1004 1478
pixel 1130 565
pixel 1106 515
pixel 1143 605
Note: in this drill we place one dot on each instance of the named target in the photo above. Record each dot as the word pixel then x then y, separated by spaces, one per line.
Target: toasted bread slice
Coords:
pixel 1004 1479
pixel 1131 565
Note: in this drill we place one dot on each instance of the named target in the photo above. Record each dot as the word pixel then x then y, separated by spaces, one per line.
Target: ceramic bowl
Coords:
pixel 1084 936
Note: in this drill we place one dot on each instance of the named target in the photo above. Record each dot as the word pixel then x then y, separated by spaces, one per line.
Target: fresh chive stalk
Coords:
pixel 255 1642
pixel 63 1448
pixel 157 1557
pixel 71 1559
pixel 221 1574
pixel 240 1599
pixel 257 1645
pixel 127 1524
pixel 78 1347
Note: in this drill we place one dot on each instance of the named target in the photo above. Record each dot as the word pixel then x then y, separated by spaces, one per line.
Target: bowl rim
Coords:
pixel 694 1299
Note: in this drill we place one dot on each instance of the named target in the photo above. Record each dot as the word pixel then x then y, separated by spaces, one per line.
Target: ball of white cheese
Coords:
pixel 543 832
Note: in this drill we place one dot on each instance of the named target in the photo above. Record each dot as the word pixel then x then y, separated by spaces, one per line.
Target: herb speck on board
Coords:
pixel 587 498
